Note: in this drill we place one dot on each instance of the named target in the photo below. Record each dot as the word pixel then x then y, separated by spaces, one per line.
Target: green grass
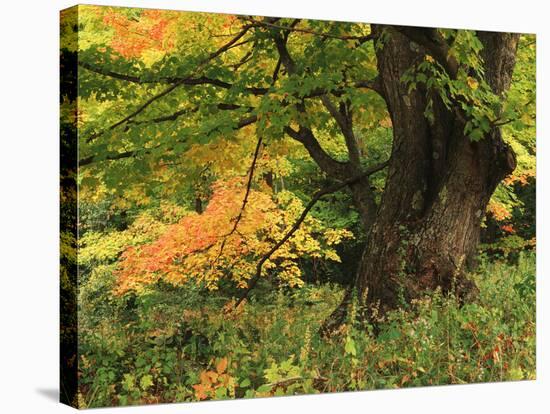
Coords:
pixel 173 345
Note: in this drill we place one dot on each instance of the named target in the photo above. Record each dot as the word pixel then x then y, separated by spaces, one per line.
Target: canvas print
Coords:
pixel 258 206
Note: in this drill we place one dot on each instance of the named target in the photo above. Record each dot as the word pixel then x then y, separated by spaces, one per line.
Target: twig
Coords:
pixel 360 39
pixel 245 199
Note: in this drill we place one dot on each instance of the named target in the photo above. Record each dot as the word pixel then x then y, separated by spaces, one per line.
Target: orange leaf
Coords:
pixel 222 365
pixel 200 391
pixel 205 379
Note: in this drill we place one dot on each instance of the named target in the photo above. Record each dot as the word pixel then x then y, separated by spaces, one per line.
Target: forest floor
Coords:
pixel 175 345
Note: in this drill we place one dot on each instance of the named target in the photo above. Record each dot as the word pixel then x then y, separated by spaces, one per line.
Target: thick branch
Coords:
pixel 175 115
pixel 189 81
pixel 304 135
pixel 276 71
pixel 318 195
pixel 140 109
pixel 119 76
pixel 372 84
pixel 172 117
pixel 435 44
pixel 333 168
pixel 110 157
pixel 344 121
pixel 286 59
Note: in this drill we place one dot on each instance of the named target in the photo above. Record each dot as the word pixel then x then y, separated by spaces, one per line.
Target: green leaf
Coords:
pixel 350 347
pixel 245 383
pixel 146 382
pixel 476 135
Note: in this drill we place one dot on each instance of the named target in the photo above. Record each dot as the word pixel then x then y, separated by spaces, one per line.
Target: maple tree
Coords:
pixel 418 127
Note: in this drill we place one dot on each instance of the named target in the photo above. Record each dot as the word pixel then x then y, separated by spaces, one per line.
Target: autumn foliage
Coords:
pixel 200 151
pixel 133 36
pixel 206 248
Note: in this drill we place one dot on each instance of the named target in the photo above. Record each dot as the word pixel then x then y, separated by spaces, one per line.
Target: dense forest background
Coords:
pixel 200 275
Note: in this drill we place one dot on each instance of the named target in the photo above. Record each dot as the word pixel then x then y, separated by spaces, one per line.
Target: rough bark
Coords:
pixel 427 226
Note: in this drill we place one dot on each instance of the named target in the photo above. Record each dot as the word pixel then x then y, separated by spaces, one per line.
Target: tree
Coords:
pixel 440 180
pixel 156 85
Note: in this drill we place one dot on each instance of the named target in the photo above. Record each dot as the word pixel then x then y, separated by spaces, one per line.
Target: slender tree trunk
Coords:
pixel 427 226
pixel 268 178
pixel 198 205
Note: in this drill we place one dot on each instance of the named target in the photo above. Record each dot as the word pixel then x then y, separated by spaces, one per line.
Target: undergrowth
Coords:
pixel 173 345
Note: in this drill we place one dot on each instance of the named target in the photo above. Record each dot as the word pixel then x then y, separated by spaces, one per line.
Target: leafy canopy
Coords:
pixel 171 105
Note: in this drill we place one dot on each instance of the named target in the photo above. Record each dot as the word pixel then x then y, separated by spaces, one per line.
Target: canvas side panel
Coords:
pixel 68 207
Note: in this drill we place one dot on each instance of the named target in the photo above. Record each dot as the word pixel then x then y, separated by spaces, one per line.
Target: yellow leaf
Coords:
pixel 221 366
pixel 472 83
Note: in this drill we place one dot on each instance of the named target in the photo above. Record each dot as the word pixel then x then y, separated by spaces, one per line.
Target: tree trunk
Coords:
pixel 439 182
pixel 198 205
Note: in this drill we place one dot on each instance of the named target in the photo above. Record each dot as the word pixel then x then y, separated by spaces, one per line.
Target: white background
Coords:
pixel 29 205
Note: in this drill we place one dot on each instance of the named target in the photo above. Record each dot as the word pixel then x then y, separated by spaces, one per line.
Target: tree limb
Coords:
pixel 110 157
pixel 333 168
pixel 372 84
pixel 304 135
pixel 119 76
pixel 243 122
pixel 317 196
pixel 286 59
pixel 434 43
pixel 175 115
pixel 344 121
pixel 245 199
pixel 189 81
pixel 359 39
